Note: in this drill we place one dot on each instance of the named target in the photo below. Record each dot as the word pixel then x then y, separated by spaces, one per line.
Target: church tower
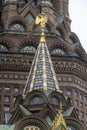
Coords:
pixel 20 49
pixel 40 105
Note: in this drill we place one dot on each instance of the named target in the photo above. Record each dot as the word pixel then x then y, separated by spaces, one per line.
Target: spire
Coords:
pixel 59 122
pixel 42 75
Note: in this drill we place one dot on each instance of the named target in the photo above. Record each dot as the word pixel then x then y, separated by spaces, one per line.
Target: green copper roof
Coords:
pixel 7 117
pixel 42 75
pixel 27 112
pixel 68 112
pixel 7 127
pixel 11 127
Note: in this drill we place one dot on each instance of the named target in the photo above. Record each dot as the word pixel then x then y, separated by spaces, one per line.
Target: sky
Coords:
pixel 78 15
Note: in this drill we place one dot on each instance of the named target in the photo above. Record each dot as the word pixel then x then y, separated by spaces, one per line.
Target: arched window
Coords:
pixel 36 100
pixel 2 61
pixel 31 128
pixel 17 26
pixel 61 65
pixel 29 49
pixel 3 48
pixel 58 52
pixel 72 65
pixel 67 65
pixel 55 100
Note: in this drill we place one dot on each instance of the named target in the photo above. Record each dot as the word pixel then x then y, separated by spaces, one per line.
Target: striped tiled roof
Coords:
pixel 42 75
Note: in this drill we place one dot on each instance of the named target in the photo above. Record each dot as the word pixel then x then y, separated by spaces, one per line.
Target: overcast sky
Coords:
pixel 78 15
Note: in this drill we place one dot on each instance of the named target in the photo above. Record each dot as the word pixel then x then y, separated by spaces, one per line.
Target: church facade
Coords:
pixel 19 42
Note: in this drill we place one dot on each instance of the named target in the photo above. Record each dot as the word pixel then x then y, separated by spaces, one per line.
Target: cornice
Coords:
pixel 20 62
pixel 70 58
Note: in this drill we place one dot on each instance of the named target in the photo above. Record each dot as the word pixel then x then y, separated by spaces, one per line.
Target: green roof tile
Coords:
pixel 7 127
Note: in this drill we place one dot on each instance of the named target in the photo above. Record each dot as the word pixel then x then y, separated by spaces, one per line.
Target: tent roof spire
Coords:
pixel 42 75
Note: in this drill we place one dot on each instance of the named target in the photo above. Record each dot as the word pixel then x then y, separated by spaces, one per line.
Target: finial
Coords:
pixel 41 20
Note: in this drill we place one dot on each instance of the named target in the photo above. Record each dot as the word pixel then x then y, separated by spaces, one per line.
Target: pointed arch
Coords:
pixel 29 13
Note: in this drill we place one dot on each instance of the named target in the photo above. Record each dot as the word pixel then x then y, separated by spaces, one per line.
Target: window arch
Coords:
pixel 72 128
pixel 32 123
pixel 72 65
pixel 2 61
pixel 55 100
pixel 31 128
pixel 67 65
pixel 58 52
pixel 61 64
pixel 17 26
pixel 56 64
pixel 36 100
pixel 3 48
pixel 28 49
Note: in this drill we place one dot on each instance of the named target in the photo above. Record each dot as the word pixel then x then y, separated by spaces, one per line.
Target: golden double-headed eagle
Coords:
pixel 41 20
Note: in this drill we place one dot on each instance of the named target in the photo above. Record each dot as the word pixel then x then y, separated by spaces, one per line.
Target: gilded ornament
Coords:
pixel 41 20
